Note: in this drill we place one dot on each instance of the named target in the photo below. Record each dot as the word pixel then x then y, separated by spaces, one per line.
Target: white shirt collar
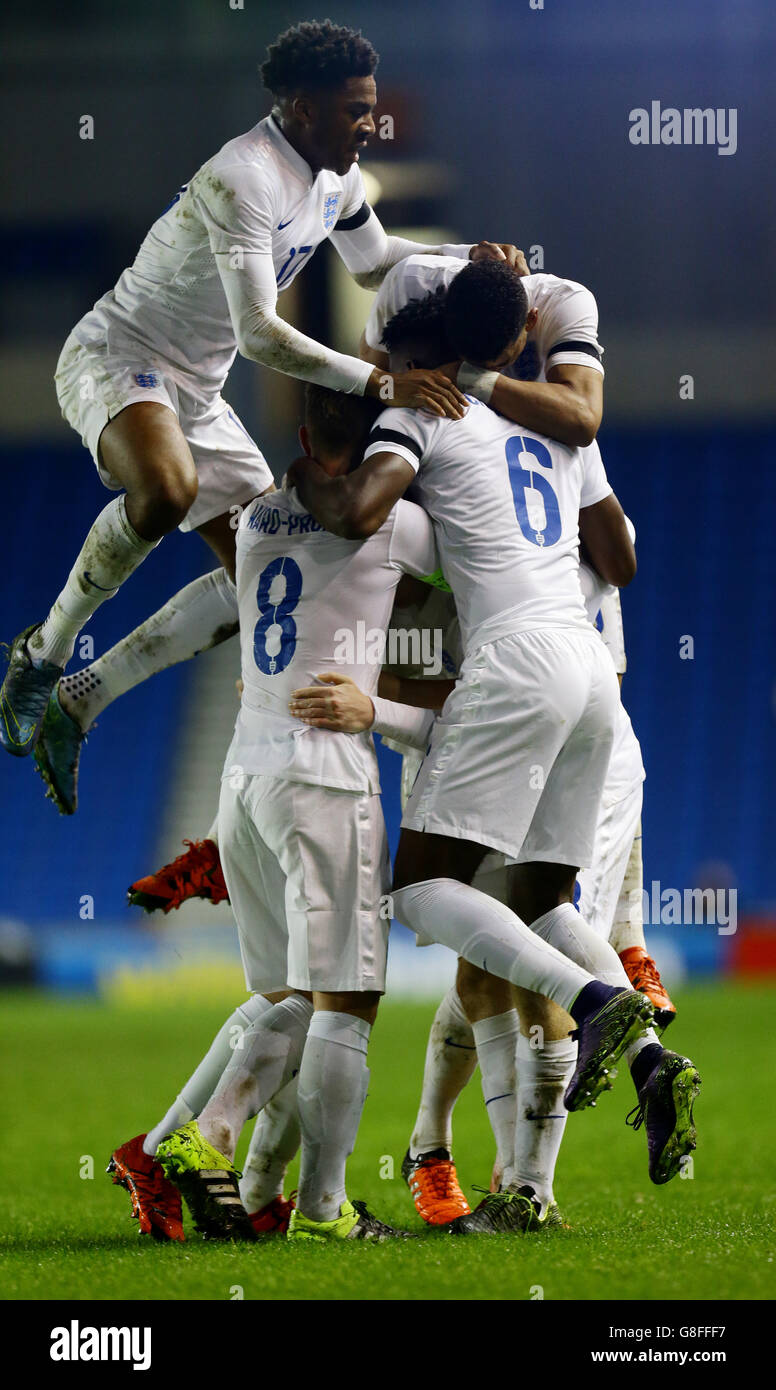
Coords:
pixel 288 152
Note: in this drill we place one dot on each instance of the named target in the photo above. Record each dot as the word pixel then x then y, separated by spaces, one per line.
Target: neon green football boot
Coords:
pixel 208 1183
pixel 354 1222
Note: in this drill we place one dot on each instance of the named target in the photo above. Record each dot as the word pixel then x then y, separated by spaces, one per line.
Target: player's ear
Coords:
pixel 304 441
pixel 303 110
pixel 532 318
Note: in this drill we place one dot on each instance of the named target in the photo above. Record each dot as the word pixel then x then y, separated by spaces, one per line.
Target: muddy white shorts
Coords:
pixel 94 384
pixel 308 875
pixel 519 754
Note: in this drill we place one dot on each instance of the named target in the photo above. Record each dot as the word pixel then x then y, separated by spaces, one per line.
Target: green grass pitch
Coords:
pixel 81 1077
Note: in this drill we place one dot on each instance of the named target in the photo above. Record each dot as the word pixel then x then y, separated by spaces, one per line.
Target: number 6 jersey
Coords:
pixel 311 602
pixel 505 507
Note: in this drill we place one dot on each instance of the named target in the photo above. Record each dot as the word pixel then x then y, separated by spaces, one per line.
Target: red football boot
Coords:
pixel 273 1219
pixel 195 874
pixel 645 977
pixel 155 1202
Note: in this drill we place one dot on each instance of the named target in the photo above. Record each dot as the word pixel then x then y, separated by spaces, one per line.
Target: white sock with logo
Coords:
pixel 496 1040
pixel 201 1084
pixel 333 1082
pixel 451 1058
pixel 264 1060
pixel 198 617
pixel 543 1074
pixel 111 552
pixel 274 1143
pixel 488 935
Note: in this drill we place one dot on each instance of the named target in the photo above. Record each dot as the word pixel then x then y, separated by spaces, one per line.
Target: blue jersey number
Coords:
pixel 522 451
pixel 274 636
pixel 292 264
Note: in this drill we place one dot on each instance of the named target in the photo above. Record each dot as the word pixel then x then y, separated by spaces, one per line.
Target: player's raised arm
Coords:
pixel 369 252
pixel 354 506
pixel 568 406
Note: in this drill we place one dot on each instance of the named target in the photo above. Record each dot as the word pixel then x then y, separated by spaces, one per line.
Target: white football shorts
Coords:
pixel 95 383
pixel 610 890
pixel 519 755
pixel 308 874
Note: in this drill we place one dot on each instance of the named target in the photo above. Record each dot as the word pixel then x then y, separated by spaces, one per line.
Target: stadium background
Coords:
pixel 510 123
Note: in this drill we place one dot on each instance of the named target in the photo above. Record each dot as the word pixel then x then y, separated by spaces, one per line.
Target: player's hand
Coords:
pixel 422 390
pixel 295 472
pixel 336 704
pixel 500 251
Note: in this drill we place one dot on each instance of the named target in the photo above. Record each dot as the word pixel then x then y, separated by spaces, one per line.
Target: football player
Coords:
pixel 141 374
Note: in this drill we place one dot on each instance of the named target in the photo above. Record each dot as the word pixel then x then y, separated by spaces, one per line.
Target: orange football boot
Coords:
pixel 156 1204
pixel 195 874
pixel 433 1183
pixel 645 977
pixel 273 1219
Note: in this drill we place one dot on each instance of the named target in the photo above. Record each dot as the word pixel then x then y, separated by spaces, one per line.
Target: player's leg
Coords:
pixel 200 616
pixel 666 1083
pixel 546 1057
pixel 432 896
pixel 562 683
pixel 155 1201
pixel 627 937
pixel 333 1082
pixel 143 451
pixel 274 1143
pixel 229 471
pixel 495 1024
pixel 198 1156
pixel 427 1166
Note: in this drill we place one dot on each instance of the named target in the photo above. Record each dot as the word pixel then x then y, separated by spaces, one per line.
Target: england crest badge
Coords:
pixel 330 209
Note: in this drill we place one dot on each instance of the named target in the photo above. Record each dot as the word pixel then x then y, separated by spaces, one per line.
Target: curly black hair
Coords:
pixel 421 322
pixel 485 310
pixel 336 420
pixel 315 56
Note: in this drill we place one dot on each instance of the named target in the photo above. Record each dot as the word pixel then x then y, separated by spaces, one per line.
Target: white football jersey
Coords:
pixel 256 195
pixel 505 506
pixel 567 327
pixel 312 602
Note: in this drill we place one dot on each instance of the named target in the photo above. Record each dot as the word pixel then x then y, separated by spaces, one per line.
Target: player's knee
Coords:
pixel 164 503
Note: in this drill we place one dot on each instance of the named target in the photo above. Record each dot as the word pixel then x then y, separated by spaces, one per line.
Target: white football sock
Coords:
pixel 200 1086
pixel 198 617
pixel 333 1082
pixel 628 925
pixel 543 1073
pixel 266 1059
pixel 111 552
pixel 565 929
pixel 487 934
pixel 274 1143
pixel 212 833
pixel 496 1040
pixel 451 1058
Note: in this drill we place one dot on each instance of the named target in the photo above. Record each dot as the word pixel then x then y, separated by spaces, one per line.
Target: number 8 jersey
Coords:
pixel 505 507
pixel 311 602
